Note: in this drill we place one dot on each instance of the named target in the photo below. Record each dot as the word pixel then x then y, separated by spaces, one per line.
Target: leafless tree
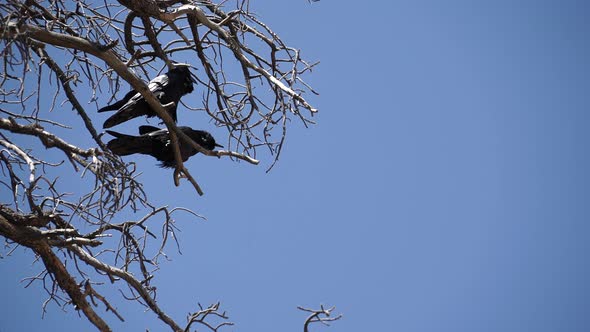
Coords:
pixel 51 52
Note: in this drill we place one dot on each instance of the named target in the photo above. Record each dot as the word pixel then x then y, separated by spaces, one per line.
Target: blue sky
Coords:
pixel 444 188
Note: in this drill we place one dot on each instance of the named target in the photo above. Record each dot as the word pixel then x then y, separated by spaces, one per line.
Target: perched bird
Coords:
pixel 168 88
pixel 156 143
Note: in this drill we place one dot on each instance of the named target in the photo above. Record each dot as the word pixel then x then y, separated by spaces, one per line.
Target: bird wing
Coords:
pixel 124 145
pixel 155 86
pixel 138 106
pixel 161 133
pixel 118 104
pixel 158 83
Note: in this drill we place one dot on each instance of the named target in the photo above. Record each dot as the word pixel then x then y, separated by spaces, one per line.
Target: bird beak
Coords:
pixel 218 145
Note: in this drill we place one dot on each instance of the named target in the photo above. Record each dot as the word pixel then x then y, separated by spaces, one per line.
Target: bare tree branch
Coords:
pixel 30 237
pixel 322 315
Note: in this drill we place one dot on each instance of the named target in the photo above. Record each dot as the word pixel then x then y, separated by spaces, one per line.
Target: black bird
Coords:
pixel 168 88
pixel 156 143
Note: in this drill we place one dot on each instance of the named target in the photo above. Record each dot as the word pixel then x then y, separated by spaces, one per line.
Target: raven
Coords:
pixel 156 143
pixel 168 88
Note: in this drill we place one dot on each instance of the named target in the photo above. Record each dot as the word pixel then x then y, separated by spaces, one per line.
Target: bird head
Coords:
pixel 204 139
pixel 184 73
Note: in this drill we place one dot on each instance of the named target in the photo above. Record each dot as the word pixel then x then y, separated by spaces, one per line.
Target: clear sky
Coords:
pixel 445 187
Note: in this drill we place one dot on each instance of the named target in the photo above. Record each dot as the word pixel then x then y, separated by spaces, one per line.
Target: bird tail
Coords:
pixel 111 107
pixel 119 117
pixel 124 145
pixel 168 164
